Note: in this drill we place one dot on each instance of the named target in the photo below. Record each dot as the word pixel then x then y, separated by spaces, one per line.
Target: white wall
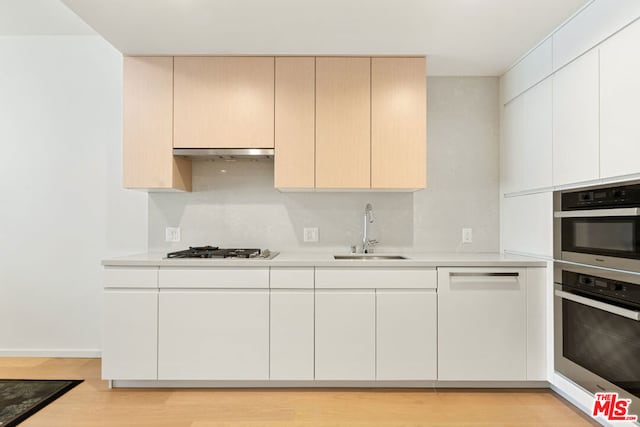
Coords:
pixel 240 207
pixel 61 207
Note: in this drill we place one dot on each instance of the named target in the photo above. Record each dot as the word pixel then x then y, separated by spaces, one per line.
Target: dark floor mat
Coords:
pixel 19 399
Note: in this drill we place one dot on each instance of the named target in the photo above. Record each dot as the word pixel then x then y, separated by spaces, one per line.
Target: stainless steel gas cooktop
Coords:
pixel 217 252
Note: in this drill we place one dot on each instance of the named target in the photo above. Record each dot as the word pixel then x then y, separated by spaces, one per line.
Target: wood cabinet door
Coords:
pixel 213 334
pixel 482 331
pixel 147 155
pixel 223 102
pixel 130 331
pixel 620 103
pixel 345 336
pixel 295 122
pixel 406 334
pixel 398 123
pixel 576 121
pixel 343 122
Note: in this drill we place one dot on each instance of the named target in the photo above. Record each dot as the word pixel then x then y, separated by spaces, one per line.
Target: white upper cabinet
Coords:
pixel 515 118
pixel 538 152
pixel 620 103
pixel 575 121
pixel 533 68
pixel 590 27
pixel 527 147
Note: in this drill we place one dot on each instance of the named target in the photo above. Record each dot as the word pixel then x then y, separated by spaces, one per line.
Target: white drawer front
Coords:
pixel 131 277
pixel 292 277
pixel 214 277
pixel 378 278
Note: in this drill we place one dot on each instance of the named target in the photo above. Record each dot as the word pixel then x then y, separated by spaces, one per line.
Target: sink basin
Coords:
pixel 368 257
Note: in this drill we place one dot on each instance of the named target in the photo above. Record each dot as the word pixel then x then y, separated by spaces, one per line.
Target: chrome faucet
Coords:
pixel 368 219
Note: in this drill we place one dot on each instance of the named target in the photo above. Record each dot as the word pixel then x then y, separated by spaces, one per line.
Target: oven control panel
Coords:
pixel 606 288
pixel 611 197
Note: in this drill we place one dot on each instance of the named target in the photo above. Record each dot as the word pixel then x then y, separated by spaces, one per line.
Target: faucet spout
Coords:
pixel 368 219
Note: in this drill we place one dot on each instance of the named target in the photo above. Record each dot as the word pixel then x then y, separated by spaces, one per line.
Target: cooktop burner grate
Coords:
pixel 214 252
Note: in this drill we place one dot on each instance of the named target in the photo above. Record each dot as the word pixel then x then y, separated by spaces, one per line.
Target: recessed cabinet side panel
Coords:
pixel 536 324
pixel 406 334
pixel 213 335
pixel 148 126
pixel 223 102
pixel 345 335
pixel 291 334
pixel 620 103
pixel 398 123
pixel 343 119
pixel 576 107
pixel 295 122
pixel 130 335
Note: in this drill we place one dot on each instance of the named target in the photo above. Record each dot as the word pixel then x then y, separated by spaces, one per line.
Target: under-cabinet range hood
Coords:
pixel 224 153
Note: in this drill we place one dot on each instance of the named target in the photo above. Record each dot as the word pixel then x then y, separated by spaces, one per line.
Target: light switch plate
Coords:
pixel 310 234
pixel 467 235
pixel 172 234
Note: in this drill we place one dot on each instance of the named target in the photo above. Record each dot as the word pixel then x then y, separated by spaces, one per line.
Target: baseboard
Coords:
pixel 432 384
pixel 77 353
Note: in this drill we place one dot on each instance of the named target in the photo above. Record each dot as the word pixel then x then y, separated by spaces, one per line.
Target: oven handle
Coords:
pixel 591 213
pixel 609 308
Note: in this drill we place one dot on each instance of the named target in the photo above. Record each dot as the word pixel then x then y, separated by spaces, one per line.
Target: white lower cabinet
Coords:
pixel 130 334
pixel 406 334
pixel 482 328
pixel 213 334
pixel 291 337
pixel 345 334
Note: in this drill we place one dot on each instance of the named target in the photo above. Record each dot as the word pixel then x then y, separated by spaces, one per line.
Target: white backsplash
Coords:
pixel 234 204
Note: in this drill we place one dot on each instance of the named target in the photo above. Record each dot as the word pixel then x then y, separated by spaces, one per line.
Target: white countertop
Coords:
pixel 325 259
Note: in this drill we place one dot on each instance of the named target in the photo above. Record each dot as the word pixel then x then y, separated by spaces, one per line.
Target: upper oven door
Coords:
pixel 606 237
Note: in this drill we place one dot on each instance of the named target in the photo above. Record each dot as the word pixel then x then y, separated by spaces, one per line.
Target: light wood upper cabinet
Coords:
pixel 343 122
pixel 148 161
pixel 223 102
pixel 295 122
pixel 398 123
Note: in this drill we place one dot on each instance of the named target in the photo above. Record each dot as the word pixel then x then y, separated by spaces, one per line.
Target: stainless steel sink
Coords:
pixel 369 257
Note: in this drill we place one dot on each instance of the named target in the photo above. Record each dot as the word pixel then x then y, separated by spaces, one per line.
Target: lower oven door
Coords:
pixel 597 344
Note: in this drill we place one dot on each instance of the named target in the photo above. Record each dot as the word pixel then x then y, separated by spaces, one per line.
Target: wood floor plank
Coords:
pixel 93 404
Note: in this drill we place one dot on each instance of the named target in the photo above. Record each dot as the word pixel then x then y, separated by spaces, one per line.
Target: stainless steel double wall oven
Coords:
pixel 597 288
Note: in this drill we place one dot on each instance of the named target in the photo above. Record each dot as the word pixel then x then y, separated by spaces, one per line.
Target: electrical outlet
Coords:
pixel 467 235
pixel 311 234
pixel 172 234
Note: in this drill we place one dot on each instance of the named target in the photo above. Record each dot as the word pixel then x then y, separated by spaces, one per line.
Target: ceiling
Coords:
pixel 460 37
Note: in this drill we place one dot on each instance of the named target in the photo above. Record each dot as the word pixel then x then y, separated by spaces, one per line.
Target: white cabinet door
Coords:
pixel 527 224
pixel 620 103
pixel 213 335
pixel 406 334
pixel 345 334
pixel 291 337
pixel 130 335
pixel 512 156
pixel 576 121
pixel 537 152
pixel 527 147
pixel 482 324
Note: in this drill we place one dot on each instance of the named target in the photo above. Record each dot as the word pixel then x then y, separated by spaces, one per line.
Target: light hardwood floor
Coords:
pixel 93 404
